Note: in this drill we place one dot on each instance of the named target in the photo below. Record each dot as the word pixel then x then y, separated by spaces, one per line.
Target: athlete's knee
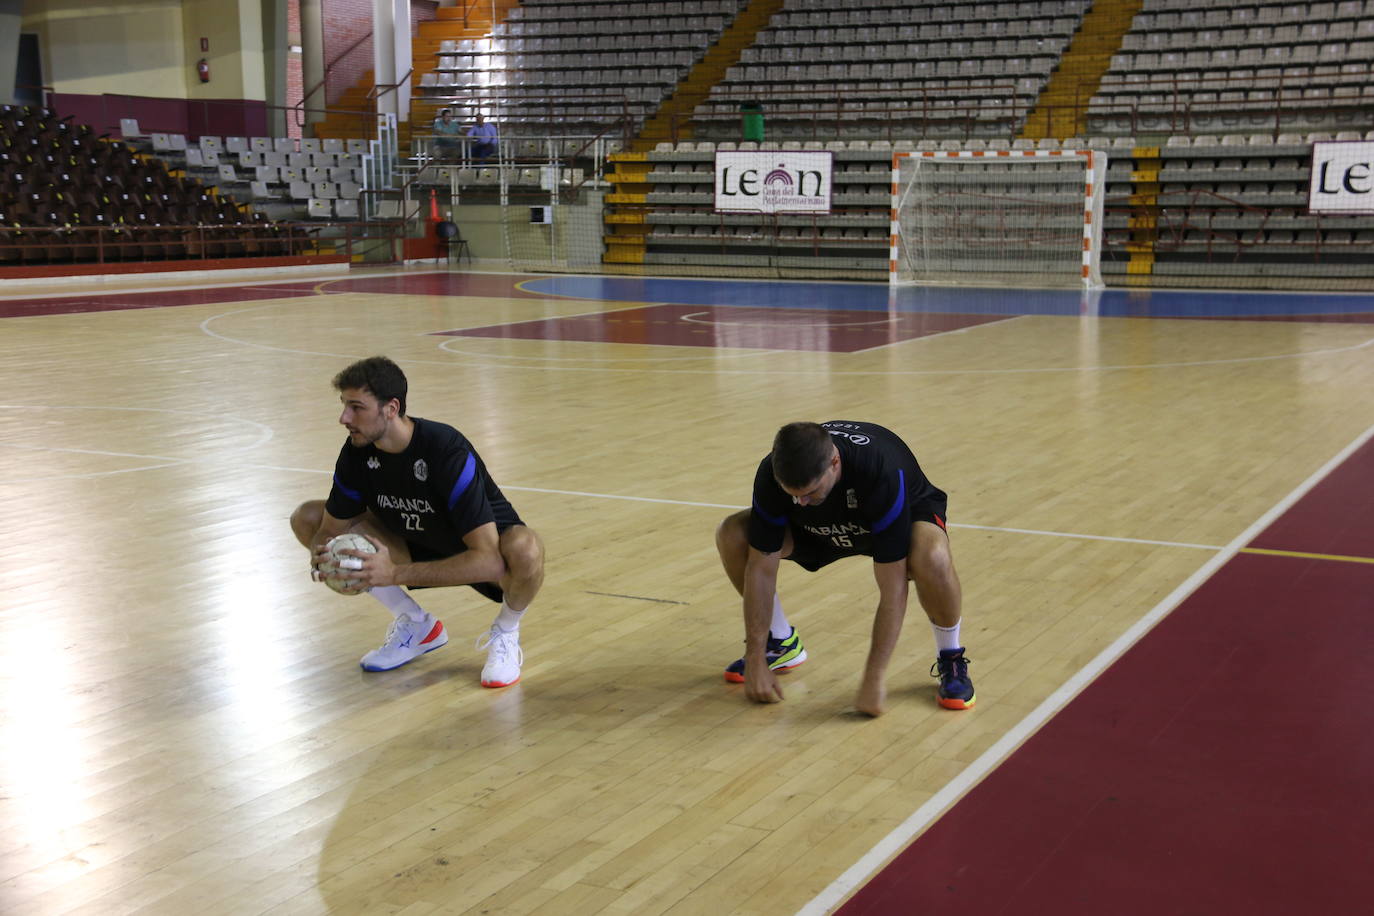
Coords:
pixel 732 534
pixel 305 521
pixel 523 551
pixel 931 563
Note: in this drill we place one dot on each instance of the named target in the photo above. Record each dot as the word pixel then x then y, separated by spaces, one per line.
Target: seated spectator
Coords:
pixel 446 133
pixel 484 139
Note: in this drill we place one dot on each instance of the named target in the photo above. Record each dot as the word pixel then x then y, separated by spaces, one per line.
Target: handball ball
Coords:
pixel 335 569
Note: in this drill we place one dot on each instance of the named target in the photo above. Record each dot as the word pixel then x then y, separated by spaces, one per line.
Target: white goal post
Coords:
pixel 997 217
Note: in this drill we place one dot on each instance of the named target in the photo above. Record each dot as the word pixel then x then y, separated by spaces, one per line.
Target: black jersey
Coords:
pixel 881 491
pixel 431 494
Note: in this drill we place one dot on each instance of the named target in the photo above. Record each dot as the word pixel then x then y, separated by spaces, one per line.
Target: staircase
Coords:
pixel 708 71
pixel 1061 111
pixel 626 206
pixel 448 24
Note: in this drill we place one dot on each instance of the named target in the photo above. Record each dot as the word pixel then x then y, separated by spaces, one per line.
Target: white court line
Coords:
pixel 923 816
pixel 1088 537
pixel 684 502
pixel 963 330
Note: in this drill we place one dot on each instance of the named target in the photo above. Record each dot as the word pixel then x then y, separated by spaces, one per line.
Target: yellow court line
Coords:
pixel 1306 556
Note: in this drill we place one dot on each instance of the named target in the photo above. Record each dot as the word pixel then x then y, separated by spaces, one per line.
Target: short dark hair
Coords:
pixel 801 452
pixel 378 375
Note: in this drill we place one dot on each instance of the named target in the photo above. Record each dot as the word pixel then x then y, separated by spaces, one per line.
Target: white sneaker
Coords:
pixel 504 657
pixel 406 640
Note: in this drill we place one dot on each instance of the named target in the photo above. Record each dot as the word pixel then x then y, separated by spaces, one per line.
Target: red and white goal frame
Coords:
pixel 1094 172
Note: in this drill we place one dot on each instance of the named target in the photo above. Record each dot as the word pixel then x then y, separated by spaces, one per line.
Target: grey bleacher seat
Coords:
pixel 227 173
pixel 261 144
pixel 327 190
pixel 261 191
pixel 332 145
pixel 194 157
pixel 160 142
pixel 236 144
pixel 284 144
pixel 355 146
pixel 128 127
pixel 346 208
pixel 318 208
pixel 250 159
pixel 310 145
pixel 301 190
pixel 348 189
pixel 267 173
pixel 315 175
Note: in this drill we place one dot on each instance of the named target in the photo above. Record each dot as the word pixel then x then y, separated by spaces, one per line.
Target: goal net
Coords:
pixel 997 217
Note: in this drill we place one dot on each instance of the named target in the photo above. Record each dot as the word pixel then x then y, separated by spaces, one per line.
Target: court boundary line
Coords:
pixel 735 508
pixel 1301 555
pixel 949 795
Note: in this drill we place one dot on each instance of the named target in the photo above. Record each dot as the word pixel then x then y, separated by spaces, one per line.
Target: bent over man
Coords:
pixel 418 490
pixel 833 490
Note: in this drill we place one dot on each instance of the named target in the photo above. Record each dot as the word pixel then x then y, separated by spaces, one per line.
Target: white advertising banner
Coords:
pixel 1342 178
pixel 773 181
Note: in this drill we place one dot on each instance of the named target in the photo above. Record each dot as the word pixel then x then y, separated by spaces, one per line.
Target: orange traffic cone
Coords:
pixel 433 207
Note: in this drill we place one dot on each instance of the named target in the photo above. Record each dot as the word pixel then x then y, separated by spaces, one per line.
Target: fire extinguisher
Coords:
pixel 203 70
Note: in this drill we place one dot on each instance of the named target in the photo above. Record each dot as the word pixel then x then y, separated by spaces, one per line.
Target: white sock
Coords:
pixel 946 637
pixel 508 618
pixel 398 601
pixel 779 628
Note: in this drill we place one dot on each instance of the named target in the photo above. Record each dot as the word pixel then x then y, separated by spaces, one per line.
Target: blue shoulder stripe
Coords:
pixel 351 494
pixel 464 480
pixel 778 520
pixel 896 509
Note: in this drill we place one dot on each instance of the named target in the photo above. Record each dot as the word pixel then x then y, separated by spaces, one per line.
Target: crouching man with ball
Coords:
pixel 421 496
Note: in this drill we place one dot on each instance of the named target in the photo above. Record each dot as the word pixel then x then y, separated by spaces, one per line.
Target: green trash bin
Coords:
pixel 751 118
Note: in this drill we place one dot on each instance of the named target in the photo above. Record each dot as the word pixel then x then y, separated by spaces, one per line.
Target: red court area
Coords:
pixel 1224 764
pixel 425 284
pixel 737 327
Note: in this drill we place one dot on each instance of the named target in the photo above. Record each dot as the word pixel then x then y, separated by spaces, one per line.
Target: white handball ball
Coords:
pixel 335 569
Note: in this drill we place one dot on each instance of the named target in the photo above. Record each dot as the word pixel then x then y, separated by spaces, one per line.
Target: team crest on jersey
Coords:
pixel 373 463
pixel 850 499
pixel 421 470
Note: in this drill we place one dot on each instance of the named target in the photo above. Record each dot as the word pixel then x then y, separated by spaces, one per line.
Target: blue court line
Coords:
pixel 872 297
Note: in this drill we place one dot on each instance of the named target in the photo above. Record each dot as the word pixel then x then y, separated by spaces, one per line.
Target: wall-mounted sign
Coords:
pixel 774 181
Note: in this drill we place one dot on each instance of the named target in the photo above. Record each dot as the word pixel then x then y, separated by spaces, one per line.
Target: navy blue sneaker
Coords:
pixel 781 654
pixel 956 689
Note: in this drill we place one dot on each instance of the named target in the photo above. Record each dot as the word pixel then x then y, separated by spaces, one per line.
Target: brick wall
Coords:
pixel 345 21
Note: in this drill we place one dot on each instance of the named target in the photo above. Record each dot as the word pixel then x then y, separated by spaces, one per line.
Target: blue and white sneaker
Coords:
pixel 406 640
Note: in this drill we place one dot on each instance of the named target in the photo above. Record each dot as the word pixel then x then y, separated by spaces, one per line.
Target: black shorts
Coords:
pixel 505 518
pixel 811 552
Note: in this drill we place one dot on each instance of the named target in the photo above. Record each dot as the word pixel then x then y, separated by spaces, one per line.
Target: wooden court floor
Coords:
pixel 185 728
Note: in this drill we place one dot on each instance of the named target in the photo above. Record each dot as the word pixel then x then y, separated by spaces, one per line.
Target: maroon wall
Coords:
pixel 192 117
